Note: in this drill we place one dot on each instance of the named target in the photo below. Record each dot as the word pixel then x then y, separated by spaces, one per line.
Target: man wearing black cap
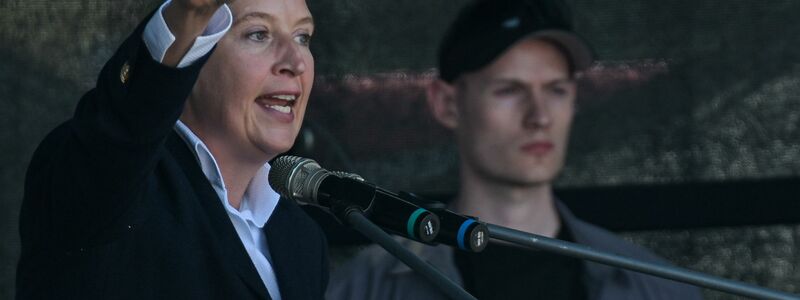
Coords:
pixel 507 89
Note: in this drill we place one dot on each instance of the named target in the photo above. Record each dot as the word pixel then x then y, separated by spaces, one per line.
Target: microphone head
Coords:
pixel 296 178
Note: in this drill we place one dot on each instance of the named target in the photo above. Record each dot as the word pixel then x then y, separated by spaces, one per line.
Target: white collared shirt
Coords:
pixel 259 200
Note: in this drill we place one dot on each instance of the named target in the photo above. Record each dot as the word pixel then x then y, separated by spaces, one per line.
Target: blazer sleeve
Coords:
pixel 93 167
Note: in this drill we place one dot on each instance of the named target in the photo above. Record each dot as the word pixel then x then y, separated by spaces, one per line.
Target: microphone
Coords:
pixel 305 181
pixel 463 232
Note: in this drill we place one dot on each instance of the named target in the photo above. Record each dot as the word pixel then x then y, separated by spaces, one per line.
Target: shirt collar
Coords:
pixel 259 200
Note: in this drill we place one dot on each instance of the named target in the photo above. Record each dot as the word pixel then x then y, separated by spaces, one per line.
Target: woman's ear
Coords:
pixel 441 98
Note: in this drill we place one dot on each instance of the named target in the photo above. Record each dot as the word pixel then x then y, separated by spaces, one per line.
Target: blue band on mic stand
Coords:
pixel 462 231
pixel 412 220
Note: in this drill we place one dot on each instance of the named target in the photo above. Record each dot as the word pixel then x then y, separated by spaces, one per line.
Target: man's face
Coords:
pixel 514 116
pixel 252 93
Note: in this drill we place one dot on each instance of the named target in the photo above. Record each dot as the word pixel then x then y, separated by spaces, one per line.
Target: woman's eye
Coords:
pixel 258 36
pixel 303 39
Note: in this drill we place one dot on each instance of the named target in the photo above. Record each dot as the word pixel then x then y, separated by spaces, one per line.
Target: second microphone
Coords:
pixel 303 180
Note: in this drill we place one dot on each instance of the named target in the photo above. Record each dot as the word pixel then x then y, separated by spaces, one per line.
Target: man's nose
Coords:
pixel 537 114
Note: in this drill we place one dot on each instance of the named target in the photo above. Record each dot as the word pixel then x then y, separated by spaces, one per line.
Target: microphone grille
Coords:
pixel 297 178
pixel 281 171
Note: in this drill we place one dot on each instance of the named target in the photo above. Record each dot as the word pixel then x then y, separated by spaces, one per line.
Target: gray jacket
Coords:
pixel 375 274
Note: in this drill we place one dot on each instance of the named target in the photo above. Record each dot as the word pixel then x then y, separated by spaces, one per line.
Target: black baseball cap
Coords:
pixel 484 29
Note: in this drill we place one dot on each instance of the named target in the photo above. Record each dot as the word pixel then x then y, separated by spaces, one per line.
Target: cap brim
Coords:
pixel 579 51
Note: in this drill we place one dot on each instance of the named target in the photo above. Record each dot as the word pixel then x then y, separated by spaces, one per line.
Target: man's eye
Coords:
pixel 303 39
pixel 558 91
pixel 561 89
pixel 509 90
pixel 258 36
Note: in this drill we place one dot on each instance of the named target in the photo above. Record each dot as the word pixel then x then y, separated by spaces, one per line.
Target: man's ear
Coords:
pixel 442 103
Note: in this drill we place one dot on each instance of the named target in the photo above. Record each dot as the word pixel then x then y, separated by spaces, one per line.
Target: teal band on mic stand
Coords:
pixel 413 220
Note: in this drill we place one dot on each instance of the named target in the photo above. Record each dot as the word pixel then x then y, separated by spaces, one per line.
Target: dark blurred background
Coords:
pixel 686 140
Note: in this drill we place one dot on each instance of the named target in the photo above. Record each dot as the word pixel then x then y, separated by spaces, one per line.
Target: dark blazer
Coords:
pixel 117 207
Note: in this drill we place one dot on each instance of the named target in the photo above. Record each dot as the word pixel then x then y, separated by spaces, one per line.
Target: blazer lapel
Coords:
pixel 285 247
pixel 230 246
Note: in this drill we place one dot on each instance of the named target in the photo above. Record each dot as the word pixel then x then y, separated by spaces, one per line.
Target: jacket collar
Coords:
pixel 585 234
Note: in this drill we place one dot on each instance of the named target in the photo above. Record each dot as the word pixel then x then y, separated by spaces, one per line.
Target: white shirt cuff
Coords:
pixel 158 38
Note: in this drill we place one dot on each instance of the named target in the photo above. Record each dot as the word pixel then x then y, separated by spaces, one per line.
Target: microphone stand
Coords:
pixel 354 216
pixel 532 241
